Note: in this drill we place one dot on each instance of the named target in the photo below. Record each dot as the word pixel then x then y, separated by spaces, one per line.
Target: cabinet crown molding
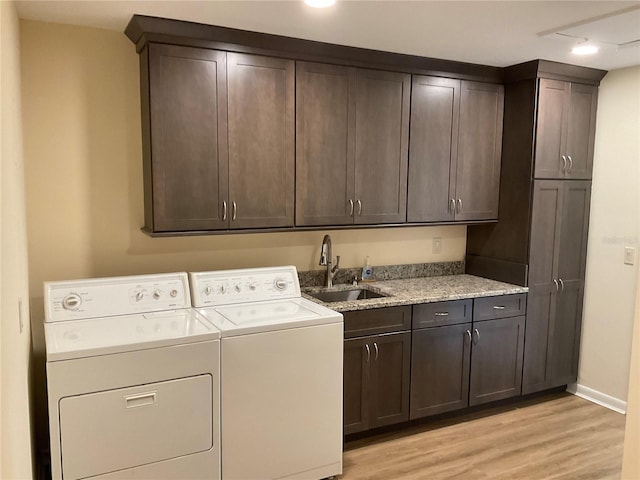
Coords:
pixel 143 29
pixel 554 71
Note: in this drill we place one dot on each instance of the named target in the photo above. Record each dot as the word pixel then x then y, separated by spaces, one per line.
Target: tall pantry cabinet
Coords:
pixel 540 240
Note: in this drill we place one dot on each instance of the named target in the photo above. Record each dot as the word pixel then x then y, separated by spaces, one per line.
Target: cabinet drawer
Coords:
pixel 503 306
pixel 378 320
pixel 441 313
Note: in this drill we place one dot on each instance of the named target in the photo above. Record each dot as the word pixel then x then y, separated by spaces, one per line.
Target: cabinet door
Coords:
pixel 566 327
pixel 357 358
pixel 391 358
pixel 435 112
pixel 261 141
pixel 543 258
pixel 479 151
pixel 381 144
pixel 440 369
pixel 496 360
pixel 581 128
pixel 186 167
pixel 325 144
pixel 553 111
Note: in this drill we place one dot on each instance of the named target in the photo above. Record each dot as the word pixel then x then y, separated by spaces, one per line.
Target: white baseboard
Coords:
pixel 600 398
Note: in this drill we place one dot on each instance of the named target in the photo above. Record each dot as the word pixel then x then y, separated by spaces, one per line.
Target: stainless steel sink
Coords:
pixel 346 295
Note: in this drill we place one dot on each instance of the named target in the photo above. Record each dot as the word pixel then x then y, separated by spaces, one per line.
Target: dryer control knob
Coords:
pixel 71 302
pixel 222 289
pixel 139 296
pixel 237 288
pixel 280 284
pixel 208 291
pixel 157 294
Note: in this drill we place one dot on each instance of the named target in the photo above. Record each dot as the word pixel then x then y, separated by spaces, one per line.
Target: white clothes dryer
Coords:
pixel 133 380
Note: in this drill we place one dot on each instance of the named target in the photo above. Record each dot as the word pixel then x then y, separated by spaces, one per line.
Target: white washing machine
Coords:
pixel 281 374
pixel 133 380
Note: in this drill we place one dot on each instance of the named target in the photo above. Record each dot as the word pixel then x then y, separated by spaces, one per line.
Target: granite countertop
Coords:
pixel 410 291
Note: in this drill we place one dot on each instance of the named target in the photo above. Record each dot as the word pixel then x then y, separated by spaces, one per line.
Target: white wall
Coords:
pixel 610 287
pixel 631 459
pixel 15 434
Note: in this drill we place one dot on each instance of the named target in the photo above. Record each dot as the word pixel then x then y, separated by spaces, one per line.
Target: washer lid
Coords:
pixel 102 336
pixel 257 317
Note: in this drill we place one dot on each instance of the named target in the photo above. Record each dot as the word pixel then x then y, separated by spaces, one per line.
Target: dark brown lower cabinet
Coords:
pixel 376 381
pixel 440 360
pixel 496 360
pixel 468 363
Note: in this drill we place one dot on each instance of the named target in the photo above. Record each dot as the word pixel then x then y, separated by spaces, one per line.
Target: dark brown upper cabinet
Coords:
pixel 261 141
pixel 565 130
pixel 184 129
pixel 455 150
pixel 218 136
pixel 351 145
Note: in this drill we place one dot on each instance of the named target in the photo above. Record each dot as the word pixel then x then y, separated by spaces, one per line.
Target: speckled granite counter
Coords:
pixel 411 291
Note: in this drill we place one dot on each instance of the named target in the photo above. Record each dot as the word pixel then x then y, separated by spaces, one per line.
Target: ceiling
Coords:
pixel 497 33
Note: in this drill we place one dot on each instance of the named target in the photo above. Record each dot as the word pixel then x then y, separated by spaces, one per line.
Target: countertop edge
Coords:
pixel 414 295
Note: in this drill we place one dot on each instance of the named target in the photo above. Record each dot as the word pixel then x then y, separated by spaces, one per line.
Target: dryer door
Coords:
pixel 124 428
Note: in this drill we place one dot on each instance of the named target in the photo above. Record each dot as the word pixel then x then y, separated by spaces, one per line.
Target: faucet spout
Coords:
pixel 326 260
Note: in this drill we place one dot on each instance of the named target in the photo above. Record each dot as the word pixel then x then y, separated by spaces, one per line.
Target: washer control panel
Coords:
pixel 226 287
pixel 104 297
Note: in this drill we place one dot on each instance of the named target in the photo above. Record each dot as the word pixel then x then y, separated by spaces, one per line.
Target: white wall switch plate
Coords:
pixel 437 245
pixel 629 255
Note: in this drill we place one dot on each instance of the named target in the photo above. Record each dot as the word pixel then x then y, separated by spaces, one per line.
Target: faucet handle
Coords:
pixel 337 261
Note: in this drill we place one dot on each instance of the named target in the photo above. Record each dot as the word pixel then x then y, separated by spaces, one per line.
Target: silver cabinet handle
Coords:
pixel 366 345
pixel 350 208
pixel 561 285
pixel 452 205
pixel 234 210
pixel 557 286
pixel 459 205
pixel 570 163
pixel 468 334
pixel 441 314
pixel 564 163
pixel 475 330
pixel 359 203
pixel 375 346
pixel 499 307
pixel 224 210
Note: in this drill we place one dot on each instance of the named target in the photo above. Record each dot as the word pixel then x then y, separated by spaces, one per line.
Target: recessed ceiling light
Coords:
pixel 319 3
pixel 584 49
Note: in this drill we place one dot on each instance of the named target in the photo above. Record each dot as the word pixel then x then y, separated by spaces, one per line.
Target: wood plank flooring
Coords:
pixel 557 436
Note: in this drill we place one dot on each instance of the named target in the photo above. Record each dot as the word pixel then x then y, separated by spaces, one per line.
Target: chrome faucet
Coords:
pixel 326 260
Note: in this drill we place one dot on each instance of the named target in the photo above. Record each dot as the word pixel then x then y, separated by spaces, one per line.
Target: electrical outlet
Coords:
pixel 629 255
pixel 437 245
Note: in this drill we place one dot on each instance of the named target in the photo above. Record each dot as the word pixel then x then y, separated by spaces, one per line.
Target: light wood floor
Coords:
pixel 559 436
